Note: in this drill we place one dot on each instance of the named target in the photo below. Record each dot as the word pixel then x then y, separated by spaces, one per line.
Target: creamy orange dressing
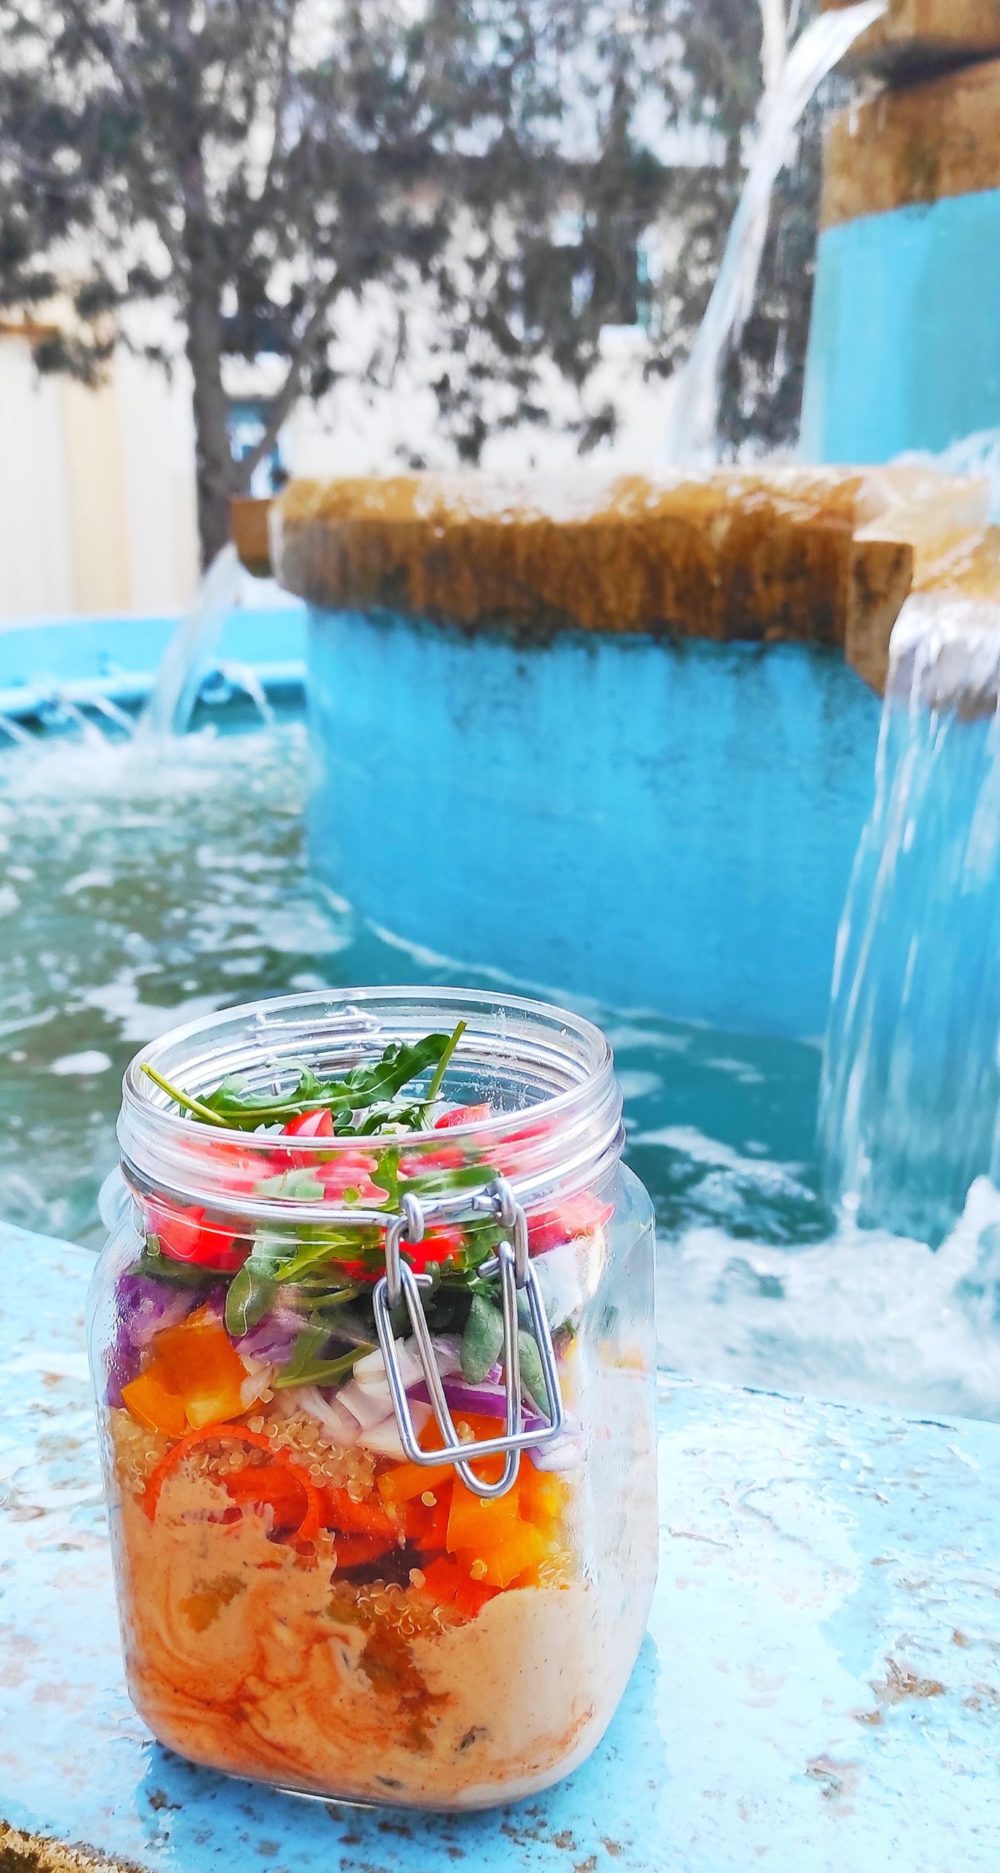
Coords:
pixel 253 1658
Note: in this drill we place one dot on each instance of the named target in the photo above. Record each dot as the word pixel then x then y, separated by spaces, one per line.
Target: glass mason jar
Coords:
pixel 371 1234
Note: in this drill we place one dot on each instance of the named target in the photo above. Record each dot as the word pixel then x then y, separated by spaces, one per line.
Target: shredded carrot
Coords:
pixel 311 1522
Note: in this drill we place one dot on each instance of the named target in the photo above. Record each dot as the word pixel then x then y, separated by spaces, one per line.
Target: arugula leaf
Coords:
pixel 248 1297
pixel 330 1245
pixel 252 1288
pixel 363 1087
pixel 160 1267
pixel 438 1183
pixel 306 1368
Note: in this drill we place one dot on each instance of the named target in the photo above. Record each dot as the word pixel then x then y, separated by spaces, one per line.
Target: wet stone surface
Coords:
pixel 819 1691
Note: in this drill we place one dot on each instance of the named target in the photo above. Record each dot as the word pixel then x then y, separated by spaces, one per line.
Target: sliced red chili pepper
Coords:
pixel 312 1520
pixel 348 1517
pixel 358 1550
pixel 271 1484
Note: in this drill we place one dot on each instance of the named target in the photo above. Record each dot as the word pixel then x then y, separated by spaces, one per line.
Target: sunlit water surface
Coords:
pixel 144 886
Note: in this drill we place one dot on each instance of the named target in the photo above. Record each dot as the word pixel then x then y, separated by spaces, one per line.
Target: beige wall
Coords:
pixel 96 490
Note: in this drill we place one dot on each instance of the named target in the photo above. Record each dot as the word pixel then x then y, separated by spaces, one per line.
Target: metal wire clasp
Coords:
pixel 517 1276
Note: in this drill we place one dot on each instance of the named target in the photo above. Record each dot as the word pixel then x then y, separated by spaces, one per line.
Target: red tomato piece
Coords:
pixel 564 1222
pixel 316 1124
pixel 185 1236
pixel 439 1245
pixel 445 1158
pixel 462 1115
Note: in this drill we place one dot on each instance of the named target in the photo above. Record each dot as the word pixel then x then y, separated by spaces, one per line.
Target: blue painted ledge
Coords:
pixel 819 1692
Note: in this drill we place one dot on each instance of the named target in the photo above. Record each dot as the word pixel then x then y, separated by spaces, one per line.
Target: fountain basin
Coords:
pixel 608 741
pixel 90 660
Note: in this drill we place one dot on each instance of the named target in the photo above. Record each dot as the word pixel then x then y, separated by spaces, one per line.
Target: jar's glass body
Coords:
pixel 300 1603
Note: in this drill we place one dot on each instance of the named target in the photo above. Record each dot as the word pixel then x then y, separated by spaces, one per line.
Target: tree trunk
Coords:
pixel 214 465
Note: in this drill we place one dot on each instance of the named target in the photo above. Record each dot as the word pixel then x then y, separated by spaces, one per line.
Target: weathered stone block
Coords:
pixel 919 35
pixel 917 145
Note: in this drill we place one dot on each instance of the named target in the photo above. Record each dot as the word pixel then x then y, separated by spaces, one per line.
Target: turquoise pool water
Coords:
pixel 142 886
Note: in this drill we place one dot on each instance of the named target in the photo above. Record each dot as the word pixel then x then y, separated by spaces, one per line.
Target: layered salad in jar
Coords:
pixel 301 1602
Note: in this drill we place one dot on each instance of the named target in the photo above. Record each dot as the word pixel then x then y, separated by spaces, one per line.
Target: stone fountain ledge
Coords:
pixel 819 1690
pixel 816 555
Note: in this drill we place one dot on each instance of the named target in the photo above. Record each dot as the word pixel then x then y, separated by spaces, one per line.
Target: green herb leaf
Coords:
pixel 299 1186
pixel 161 1267
pixel 362 1087
pixel 482 1340
pixel 305 1367
pixel 199 1109
pixel 248 1298
pixel 438 1182
pixel 442 1066
pixel 532 1376
pixel 330 1245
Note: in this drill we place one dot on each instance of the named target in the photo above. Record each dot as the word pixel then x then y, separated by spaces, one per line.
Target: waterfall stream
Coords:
pixel 791 80
pixel 911 1083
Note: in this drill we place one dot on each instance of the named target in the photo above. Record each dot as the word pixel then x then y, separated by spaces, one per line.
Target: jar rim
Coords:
pixel 584 1110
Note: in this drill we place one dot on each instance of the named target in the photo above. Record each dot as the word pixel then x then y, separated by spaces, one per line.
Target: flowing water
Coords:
pixel 189 656
pixel 127 907
pixel 791 80
pixel 911 1087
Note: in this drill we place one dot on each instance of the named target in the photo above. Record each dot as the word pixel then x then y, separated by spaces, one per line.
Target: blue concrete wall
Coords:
pixel 904 348
pixel 655 826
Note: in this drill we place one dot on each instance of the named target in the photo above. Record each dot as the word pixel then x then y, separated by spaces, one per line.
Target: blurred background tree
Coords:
pixel 529 171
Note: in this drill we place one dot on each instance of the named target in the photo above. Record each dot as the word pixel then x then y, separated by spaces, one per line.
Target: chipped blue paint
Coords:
pixel 820 1689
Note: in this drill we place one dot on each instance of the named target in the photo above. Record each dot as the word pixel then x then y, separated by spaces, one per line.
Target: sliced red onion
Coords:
pixel 490 1401
pixel 384 1438
pixel 565 1452
pixel 340 1427
pixel 368 1405
pixel 143 1307
pixel 273 1337
pixel 146 1306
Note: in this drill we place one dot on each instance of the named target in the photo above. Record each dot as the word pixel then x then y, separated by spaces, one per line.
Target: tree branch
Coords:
pixel 289 392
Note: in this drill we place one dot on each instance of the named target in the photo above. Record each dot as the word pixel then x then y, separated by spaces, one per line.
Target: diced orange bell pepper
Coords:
pixel 153 1405
pixel 404 1481
pixel 198 1360
pixel 511 1552
pixel 543 1495
pixel 426 1524
pixel 481 1523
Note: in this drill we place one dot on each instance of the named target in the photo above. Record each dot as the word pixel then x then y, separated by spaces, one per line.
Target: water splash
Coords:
pixel 242 679
pixel 911 1080
pixel 191 649
pixel 13 730
pixel 795 76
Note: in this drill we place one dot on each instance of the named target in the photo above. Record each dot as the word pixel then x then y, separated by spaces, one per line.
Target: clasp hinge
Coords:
pixel 517 1276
